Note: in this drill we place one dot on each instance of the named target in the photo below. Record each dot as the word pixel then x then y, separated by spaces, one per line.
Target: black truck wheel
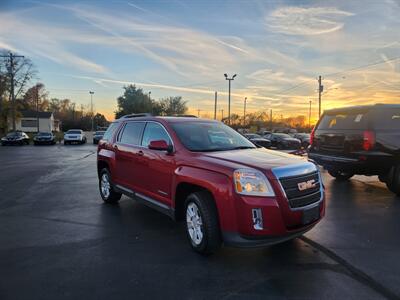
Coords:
pixel 340 175
pixel 393 180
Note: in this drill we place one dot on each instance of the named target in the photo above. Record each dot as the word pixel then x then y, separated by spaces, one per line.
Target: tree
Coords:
pixel 133 101
pixel 22 70
pixel 100 120
pixel 34 94
pixel 173 106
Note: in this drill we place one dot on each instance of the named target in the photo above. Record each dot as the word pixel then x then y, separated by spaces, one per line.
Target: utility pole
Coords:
pixel 91 106
pixel 270 119
pixel 244 112
pixel 320 90
pixel 309 115
pixel 229 96
pixel 37 107
pixel 11 74
pixel 215 106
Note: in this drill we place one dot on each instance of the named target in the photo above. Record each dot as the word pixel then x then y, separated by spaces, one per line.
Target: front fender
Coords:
pixel 218 184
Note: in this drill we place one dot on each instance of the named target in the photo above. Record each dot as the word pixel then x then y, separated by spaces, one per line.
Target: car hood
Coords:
pixel 259 158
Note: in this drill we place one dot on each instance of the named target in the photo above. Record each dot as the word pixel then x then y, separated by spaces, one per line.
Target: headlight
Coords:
pixel 252 183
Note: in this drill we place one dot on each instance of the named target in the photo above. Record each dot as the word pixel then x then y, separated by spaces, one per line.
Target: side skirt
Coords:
pixel 150 202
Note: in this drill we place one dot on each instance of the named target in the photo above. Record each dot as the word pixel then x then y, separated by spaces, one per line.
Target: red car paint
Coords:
pixel 158 175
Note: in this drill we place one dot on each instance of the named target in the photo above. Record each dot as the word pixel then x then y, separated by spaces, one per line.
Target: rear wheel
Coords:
pixel 202 226
pixel 340 175
pixel 107 192
pixel 393 180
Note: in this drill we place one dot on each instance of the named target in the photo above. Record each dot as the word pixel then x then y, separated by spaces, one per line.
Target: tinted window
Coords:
pixel 44 134
pixel 132 133
pixel 110 131
pixel 209 136
pixel 343 120
pixel 154 132
pixel 388 118
pixel 74 132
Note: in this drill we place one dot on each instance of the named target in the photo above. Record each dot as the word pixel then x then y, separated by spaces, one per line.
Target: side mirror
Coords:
pixel 160 145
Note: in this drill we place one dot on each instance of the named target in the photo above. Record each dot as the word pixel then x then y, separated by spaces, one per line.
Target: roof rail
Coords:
pixel 186 116
pixel 136 115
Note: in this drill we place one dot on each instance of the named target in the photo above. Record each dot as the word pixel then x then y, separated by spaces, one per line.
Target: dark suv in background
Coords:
pixel 360 140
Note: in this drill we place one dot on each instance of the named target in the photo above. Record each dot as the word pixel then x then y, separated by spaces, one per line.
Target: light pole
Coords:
pixel 91 106
pixel 150 95
pixel 244 112
pixel 229 96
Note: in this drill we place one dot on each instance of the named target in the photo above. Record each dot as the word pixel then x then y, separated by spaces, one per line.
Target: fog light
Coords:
pixel 257 218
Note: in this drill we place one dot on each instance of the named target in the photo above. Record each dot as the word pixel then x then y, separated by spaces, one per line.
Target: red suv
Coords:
pixel 202 171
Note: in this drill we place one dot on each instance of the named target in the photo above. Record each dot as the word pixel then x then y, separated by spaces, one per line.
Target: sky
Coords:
pixel 183 48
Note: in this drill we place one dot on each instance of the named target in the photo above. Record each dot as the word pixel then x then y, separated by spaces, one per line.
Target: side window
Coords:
pixel 132 133
pixel 154 132
pixel 110 131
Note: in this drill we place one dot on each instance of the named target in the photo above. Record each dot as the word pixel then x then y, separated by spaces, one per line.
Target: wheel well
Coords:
pixel 101 165
pixel 183 190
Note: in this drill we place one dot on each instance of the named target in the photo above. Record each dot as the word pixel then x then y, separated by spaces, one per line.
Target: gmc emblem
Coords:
pixel 306 185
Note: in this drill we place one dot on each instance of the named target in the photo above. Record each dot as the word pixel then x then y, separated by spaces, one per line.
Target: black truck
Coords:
pixel 359 140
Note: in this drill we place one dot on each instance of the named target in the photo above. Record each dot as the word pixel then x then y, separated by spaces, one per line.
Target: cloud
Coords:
pixel 294 20
pixel 33 38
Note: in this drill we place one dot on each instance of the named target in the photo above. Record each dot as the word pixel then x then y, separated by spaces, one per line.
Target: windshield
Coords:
pixel 44 134
pixel 209 136
pixel 74 132
pixel 99 133
pixel 11 134
pixel 283 135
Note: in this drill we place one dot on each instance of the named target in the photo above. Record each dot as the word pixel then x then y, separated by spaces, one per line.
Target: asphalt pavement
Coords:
pixel 59 241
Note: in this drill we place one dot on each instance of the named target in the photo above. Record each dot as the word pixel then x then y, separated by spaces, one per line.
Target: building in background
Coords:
pixel 28 119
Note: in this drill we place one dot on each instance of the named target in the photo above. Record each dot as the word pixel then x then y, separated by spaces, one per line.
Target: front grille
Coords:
pixel 299 198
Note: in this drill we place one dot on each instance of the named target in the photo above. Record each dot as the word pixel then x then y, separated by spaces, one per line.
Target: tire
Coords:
pixel 202 226
pixel 107 192
pixel 393 180
pixel 340 175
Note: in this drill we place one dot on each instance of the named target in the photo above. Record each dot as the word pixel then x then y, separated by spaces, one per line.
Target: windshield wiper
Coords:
pixel 242 147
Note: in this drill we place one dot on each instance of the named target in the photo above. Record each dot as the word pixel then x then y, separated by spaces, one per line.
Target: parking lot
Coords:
pixel 59 241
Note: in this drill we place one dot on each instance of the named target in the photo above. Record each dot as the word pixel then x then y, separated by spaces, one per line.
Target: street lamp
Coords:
pixel 229 96
pixel 91 106
pixel 244 112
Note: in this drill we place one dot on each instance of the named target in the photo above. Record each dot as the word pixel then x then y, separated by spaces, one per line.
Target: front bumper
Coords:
pixel 234 239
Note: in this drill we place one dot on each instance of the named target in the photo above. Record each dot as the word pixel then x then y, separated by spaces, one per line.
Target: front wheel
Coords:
pixel 202 226
pixel 107 192
pixel 340 175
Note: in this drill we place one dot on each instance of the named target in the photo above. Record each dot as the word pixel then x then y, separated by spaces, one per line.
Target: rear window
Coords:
pixel 343 120
pixel 387 118
pixel 108 134
pixel 74 132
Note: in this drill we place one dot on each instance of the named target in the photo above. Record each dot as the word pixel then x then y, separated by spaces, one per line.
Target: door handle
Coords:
pixel 140 153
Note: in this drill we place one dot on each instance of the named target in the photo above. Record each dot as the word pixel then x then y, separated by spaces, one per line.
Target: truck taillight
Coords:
pixel 369 140
pixel 312 136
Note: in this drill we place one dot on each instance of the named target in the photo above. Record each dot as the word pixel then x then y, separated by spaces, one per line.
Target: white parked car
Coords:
pixel 74 136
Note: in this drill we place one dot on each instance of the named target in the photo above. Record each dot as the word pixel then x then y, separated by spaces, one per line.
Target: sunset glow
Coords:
pixel 183 48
